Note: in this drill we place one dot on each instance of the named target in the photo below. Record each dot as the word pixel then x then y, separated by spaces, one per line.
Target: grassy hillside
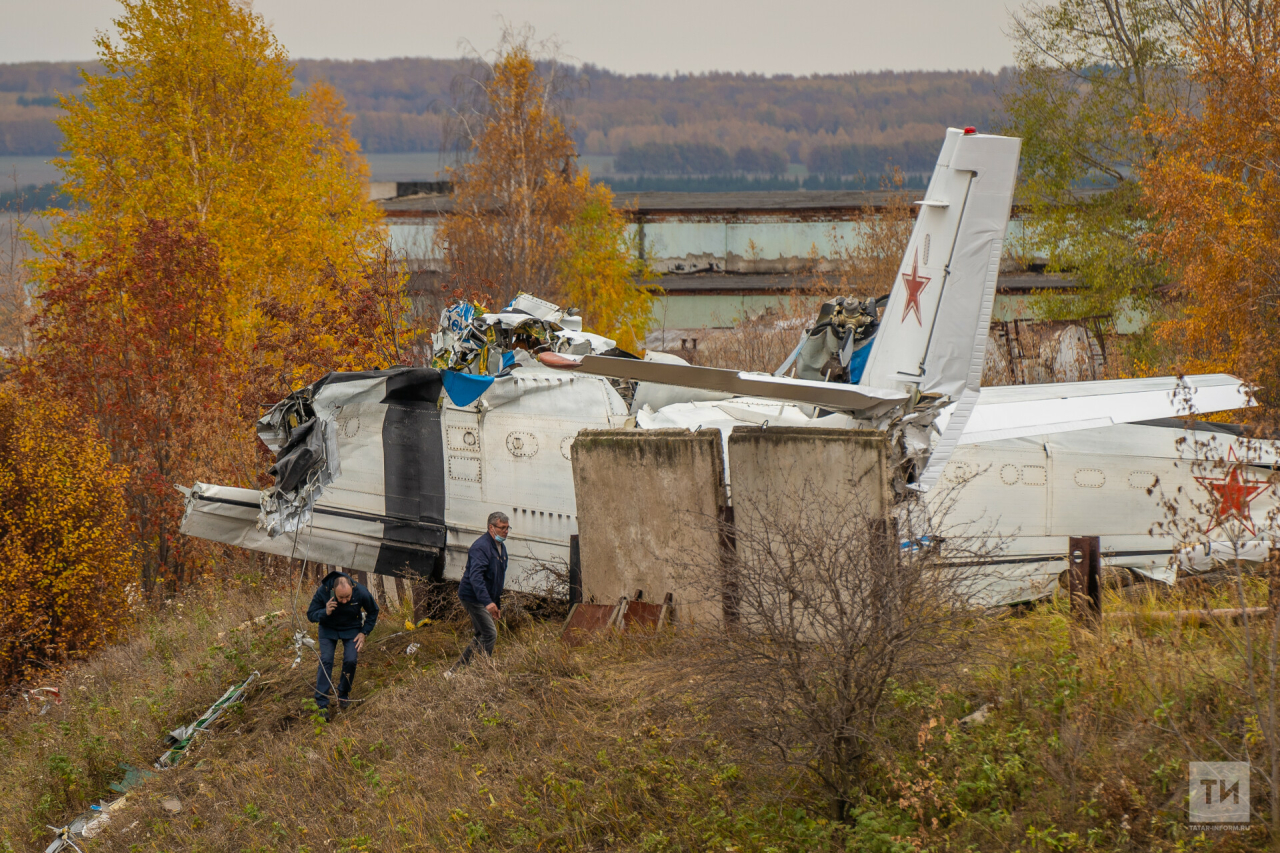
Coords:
pixel 611 748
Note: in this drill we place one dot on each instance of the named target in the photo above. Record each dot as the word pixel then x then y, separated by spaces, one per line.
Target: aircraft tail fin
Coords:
pixel 933 334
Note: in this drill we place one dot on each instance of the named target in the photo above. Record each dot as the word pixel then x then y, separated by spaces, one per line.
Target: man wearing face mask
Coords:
pixel 481 587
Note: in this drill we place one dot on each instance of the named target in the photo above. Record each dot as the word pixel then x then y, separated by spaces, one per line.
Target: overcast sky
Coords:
pixel 660 36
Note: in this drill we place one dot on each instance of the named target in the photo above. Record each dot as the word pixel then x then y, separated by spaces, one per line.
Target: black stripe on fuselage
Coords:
pixel 413 484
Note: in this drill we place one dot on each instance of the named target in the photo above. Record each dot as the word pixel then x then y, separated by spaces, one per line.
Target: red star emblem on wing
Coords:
pixel 1232 493
pixel 915 284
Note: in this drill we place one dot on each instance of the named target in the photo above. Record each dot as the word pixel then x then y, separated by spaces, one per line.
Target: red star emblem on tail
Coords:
pixel 1232 493
pixel 915 284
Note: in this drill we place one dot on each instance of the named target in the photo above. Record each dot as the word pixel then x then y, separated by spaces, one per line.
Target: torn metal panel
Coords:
pixel 472 341
pixel 180 739
pixel 333 536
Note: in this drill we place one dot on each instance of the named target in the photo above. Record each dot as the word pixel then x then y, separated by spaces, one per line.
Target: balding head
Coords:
pixel 342 589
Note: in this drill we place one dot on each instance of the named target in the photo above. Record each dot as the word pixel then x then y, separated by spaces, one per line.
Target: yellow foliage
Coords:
pixel 526 219
pixel 193 119
pixel 598 275
pixel 515 197
pixel 1215 189
pixel 66 563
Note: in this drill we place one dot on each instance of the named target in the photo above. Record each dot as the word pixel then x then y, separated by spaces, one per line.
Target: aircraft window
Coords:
pixel 1142 480
pixel 1090 478
pixel 1009 474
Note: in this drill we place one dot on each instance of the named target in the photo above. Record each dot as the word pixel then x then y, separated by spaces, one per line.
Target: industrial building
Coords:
pixel 721 258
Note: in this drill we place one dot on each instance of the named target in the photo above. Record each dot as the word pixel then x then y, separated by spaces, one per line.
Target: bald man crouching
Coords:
pixel 336 608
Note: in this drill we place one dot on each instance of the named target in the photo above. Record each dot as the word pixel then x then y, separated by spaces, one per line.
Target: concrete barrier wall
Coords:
pixel 648 501
pixel 769 469
pixel 798 492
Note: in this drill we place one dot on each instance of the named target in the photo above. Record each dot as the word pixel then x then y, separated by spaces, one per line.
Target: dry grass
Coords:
pixel 603 748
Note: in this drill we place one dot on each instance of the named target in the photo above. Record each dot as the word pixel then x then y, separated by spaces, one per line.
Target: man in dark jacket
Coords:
pixel 481 587
pixel 336 607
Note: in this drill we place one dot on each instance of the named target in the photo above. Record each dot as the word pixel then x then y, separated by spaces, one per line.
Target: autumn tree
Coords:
pixel 524 217
pixel 1086 71
pixel 193 119
pixel 135 338
pixel 66 555
pixel 600 270
pixel 518 192
pixel 1215 189
pixel 217 217
pixel 869 266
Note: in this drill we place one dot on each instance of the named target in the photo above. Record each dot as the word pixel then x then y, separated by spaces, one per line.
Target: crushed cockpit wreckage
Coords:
pixel 395 471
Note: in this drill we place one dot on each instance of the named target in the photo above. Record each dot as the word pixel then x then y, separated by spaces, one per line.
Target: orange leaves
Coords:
pixel 195 120
pixel 525 219
pixel 514 200
pixel 222 248
pixel 135 340
pixel 66 558
pixel 1215 189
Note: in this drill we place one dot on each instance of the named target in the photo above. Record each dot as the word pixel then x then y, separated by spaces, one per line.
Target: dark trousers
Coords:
pixel 324 675
pixel 486 633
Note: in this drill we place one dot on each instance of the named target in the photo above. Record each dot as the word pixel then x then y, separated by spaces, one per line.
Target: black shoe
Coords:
pixel 324 714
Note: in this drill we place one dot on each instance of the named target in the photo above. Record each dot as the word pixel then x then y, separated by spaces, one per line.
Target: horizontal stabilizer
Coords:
pixel 1014 411
pixel 828 395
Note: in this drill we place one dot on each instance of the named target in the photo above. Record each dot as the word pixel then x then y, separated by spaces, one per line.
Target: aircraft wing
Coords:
pixel 835 396
pixel 1013 411
pixel 338 537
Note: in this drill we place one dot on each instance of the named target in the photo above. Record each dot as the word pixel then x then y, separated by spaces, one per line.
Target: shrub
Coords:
pixel 66 563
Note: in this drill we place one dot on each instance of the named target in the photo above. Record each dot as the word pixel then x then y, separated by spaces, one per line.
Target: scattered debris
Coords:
pixel 95 820
pixel 301 639
pixel 258 621
pixel 180 739
pixel 43 697
pixel 133 776
pixel 412 649
pixel 979 716
pixel 473 341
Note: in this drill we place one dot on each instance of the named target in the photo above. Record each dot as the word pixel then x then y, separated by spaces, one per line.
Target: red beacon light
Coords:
pixel 970 130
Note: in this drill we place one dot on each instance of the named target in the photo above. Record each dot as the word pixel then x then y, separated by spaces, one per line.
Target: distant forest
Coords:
pixel 717 124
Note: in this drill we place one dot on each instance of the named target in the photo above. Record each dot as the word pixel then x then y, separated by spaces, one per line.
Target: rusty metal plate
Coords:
pixel 585 620
pixel 641 616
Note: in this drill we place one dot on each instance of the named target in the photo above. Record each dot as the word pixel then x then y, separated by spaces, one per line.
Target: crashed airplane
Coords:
pixel 395 472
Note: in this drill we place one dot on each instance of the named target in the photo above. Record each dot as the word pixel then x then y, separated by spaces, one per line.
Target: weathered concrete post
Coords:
pixel 1084 578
